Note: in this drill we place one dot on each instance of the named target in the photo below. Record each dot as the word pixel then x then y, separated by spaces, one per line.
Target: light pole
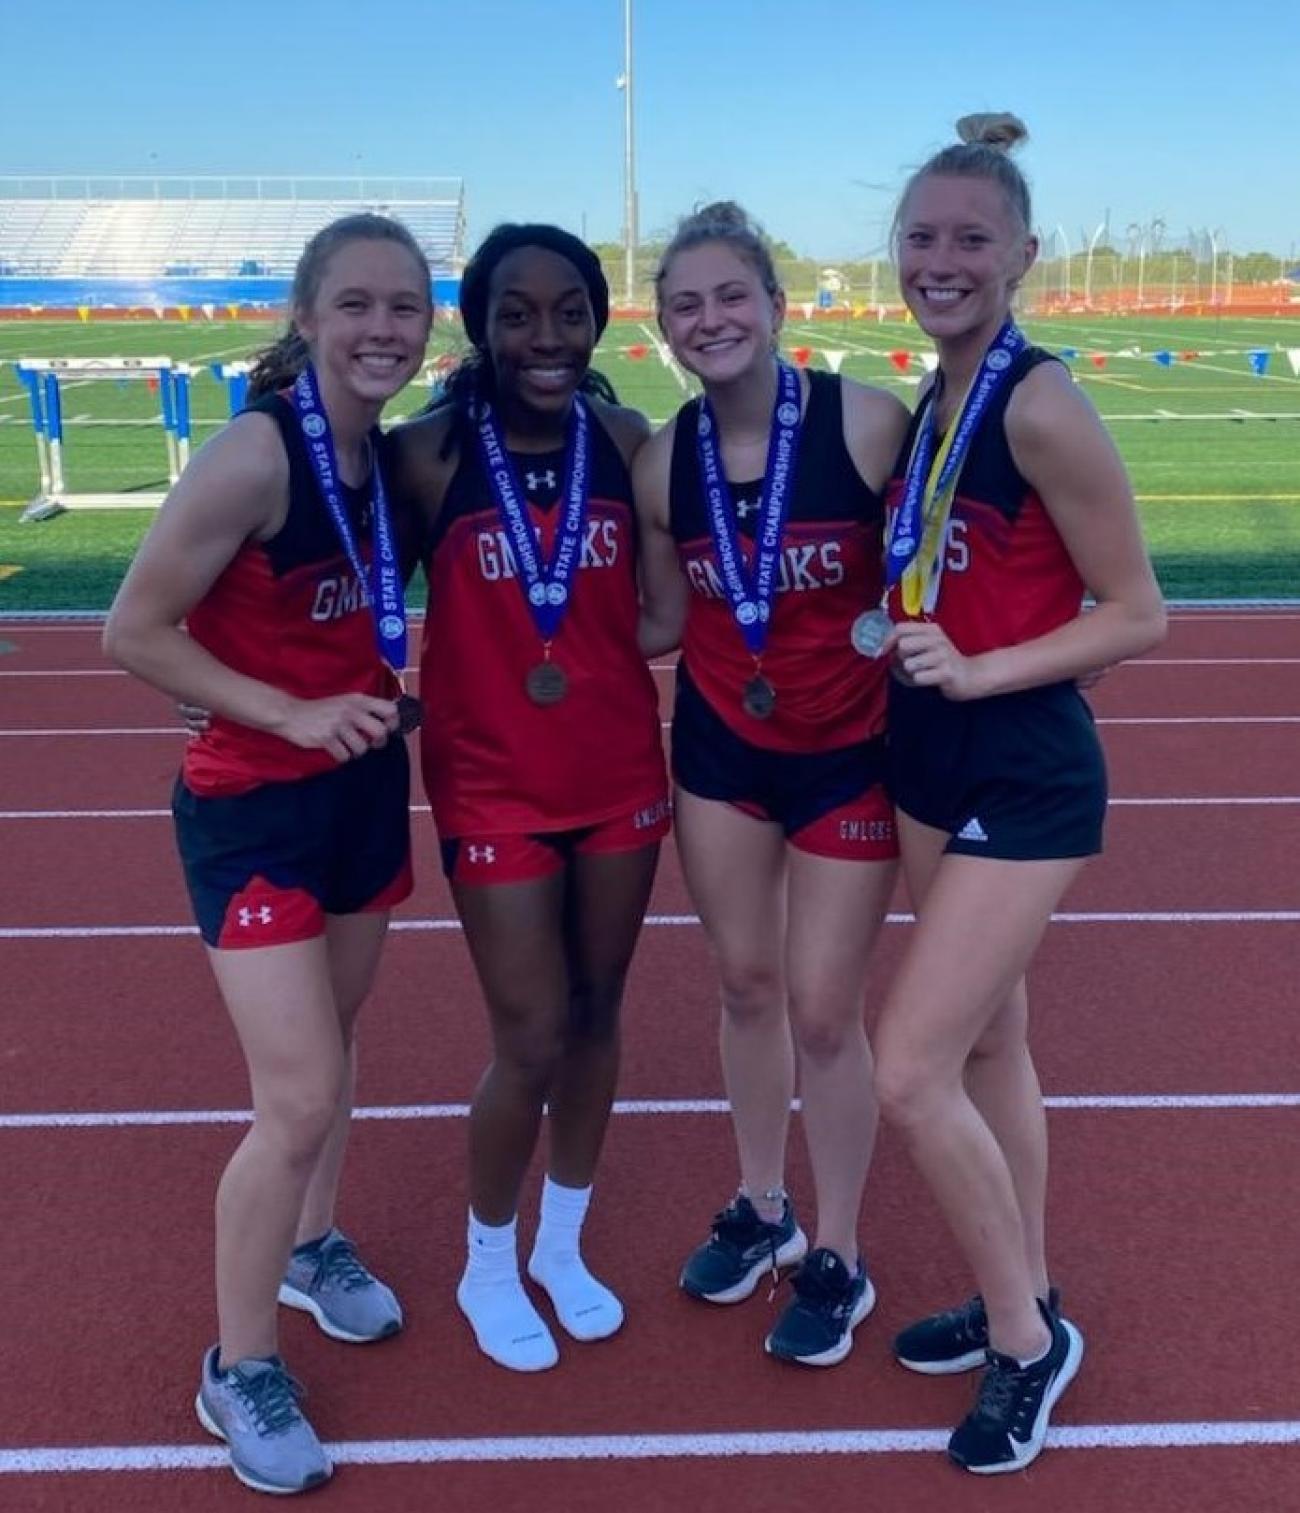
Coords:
pixel 1214 263
pixel 624 82
pixel 1065 266
pixel 1087 267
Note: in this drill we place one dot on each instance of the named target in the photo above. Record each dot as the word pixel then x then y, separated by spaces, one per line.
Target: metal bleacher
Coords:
pixel 215 227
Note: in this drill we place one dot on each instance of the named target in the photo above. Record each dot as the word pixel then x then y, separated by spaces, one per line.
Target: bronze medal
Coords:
pixel 759 698
pixel 410 713
pixel 546 683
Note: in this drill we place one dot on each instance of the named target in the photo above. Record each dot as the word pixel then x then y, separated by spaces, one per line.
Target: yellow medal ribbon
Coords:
pixel 935 511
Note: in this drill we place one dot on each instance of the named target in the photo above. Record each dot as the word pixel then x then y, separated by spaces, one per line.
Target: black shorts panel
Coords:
pixel 1019 776
pixel 793 789
pixel 340 840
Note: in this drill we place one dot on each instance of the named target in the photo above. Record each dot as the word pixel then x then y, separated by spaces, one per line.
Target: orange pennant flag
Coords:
pixel 232 311
pixel 802 356
pixel 637 351
pixel 901 360
pixel 1097 359
pixel 1189 356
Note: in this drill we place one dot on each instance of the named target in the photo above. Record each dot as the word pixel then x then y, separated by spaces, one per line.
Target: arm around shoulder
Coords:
pixel 663 585
pixel 875 424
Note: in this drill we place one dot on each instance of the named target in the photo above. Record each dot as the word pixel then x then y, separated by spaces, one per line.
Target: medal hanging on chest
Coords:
pixel 546 586
pixel 384 580
pixel 750 591
pixel 914 557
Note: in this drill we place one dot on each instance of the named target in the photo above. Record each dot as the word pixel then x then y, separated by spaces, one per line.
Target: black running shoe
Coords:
pixel 956 1340
pixel 1006 1428
pixel 726 1268
pixel 829 1302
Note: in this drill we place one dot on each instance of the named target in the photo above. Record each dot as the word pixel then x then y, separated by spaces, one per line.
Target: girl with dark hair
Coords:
pixel 762 510
pixel 278 550
pixel 1009 501
pixel 542 753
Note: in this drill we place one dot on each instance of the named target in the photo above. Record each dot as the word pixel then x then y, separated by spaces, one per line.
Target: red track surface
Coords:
pixel 1175 1228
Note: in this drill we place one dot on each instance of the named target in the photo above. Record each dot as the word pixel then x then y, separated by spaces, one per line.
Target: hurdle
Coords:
pixel 42 376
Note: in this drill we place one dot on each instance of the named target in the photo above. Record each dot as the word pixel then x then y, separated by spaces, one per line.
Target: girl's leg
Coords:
pixel 980 922
pixel 606 902
pixel 515 933
pixel 735 870
pixel 836 908
pixel 281 1002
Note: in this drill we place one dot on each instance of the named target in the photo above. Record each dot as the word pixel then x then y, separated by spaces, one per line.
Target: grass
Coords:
pixel 1211 447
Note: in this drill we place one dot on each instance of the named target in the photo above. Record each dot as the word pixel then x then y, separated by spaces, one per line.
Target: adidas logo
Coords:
pixel 972 830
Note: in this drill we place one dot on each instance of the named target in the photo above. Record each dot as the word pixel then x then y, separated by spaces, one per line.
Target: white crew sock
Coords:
pixel 586 1308
pixel 491 1295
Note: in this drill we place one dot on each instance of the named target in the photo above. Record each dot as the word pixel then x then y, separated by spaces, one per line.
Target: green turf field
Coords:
pixel 1214 450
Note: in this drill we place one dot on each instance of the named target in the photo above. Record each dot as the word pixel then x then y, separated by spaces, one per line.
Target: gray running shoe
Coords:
pixel 344 1297
pixel 254 1408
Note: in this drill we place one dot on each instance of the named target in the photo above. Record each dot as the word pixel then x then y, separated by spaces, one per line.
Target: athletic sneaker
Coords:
pixel 329 1281
pixel 726 1268
pixel 830 1301
pixel 254 1407
pixel 956 1340
pixel 1006 1428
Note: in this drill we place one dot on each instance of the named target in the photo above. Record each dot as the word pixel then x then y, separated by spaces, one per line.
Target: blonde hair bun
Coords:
pixel 1001 131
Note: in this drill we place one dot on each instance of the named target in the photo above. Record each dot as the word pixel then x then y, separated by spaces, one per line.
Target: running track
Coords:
pixel 1167 1038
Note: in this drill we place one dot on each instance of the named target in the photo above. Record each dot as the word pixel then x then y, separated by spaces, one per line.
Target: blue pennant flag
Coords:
pixel 1258 361
pixel 1069 352
pixel 1165 359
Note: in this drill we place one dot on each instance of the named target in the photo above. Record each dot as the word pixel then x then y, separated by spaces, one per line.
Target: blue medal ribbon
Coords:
pixel 750 595
pixel 920 493
pixel 387 599
pixel 546 586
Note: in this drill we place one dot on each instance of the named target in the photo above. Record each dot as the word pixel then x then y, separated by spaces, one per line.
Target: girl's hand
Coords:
pixel 346 726
pixel 925 657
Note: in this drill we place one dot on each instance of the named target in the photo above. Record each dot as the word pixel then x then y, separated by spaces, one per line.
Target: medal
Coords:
pixel 546 684
pixel 751 590
pixel 410 713
pixel 870 632
pixel 382 587
pixel 759 698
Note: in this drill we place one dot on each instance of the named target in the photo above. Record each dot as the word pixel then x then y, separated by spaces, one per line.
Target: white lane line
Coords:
pixel 171 1118
pixel 1209 801
pixel 523 1449
pixel 674 921
pixel 96 730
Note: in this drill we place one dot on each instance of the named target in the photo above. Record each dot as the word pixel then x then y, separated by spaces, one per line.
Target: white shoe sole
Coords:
pixel 305 1303
pixel 789 1254
pixel 953 1367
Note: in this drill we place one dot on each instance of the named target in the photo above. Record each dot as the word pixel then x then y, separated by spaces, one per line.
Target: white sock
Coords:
pixel 491 1295
pixel 586 1308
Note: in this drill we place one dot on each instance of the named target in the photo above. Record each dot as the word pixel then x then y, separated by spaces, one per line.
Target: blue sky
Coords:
pixel 1178 109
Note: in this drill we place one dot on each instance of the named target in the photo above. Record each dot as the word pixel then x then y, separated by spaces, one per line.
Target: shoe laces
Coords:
pixel 272 1397
pixel 740 1225
pixel 822 1288
pixel 1002 1393
pixel 968 1320
pixel 339 1264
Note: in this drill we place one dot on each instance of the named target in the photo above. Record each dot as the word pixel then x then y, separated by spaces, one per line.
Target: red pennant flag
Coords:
pixel 152 385
pixel 802 356
pixel 637 351
pixel 444 362
pixel 901 360
pixel 1189 356
pixel 1097 359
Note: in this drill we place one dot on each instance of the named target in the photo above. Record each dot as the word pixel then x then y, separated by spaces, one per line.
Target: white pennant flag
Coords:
pixel 834 360
pixel 208 310
pixel 1293 357
pixel 807 308
pixel 929 361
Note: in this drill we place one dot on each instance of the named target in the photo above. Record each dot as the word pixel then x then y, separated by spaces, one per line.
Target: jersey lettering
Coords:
pixel 496 557
pixel 956 558
pixel 803 567
pixel 336 597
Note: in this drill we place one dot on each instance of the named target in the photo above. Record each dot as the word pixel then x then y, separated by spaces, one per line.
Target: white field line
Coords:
pixel 525 1449
pixel 623 1107
pixel 677 921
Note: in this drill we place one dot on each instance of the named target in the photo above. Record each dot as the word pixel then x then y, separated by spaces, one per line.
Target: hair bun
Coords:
pixel 1001 131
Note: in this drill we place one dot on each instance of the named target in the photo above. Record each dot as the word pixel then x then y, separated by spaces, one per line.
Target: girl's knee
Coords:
pixel 298 1123
pixel 751 991
pixel 909 1090
pixel 824 1031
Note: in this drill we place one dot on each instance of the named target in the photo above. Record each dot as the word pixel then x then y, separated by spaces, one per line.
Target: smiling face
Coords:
pixel 719 317
pixel 541 330
pixel 368 321
pixel 962 253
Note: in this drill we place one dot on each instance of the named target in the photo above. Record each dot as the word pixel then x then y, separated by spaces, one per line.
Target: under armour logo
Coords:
pixel 746 507
pixel 262 915
pixel 483 854
pixel 539 480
